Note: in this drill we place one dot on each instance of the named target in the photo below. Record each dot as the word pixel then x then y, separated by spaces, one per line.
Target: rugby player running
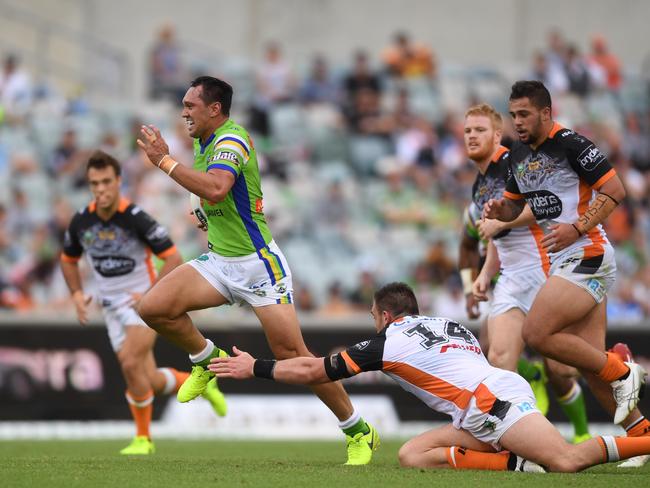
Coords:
pixel 118 239
pixel 243 264
pixel 514 251
pixel 571 189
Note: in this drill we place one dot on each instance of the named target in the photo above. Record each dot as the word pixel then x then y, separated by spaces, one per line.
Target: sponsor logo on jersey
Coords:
pixel 590 158
pixel 223 155
pixel 281 288
pixel 259 205
pixel 214 212
pixel 544 204
pixel 109 266
pixel 202 257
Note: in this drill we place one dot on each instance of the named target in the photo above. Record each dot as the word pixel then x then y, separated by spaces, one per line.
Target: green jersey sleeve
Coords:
pixel 231 152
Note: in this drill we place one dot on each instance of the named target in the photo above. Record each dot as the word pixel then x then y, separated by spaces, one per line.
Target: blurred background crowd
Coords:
pixel 365 175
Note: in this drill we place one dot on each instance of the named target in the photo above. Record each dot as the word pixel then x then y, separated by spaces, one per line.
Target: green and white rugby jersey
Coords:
pixel 236 226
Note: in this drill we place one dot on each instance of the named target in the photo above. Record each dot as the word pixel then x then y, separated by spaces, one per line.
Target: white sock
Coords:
pixel 170 380
pixel 204 354
pixel 354 418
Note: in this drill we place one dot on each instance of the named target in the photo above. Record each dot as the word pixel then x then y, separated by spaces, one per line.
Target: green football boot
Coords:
pixel 140 445
pixel 360 446
pixel 216 398
pixel 199 378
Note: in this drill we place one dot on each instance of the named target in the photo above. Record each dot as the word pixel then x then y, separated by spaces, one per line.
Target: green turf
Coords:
pixel 230 464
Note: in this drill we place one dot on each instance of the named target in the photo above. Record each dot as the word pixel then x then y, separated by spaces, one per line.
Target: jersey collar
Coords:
pixel 207 143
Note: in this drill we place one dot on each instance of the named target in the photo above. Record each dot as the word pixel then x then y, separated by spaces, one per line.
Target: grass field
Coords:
pixel 251 464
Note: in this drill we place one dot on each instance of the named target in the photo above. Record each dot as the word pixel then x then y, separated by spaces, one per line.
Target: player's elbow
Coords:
pixel 217 194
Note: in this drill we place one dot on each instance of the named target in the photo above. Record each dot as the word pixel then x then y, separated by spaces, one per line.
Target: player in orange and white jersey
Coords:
pixel 118 239
pixel 571 189
pixel 441 362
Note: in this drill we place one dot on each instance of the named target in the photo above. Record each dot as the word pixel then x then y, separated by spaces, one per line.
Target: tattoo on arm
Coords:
pixel 598 211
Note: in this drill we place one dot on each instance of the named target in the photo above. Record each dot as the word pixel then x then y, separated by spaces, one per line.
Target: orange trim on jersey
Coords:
pixel 350 362
pixel 150 268
pixel 484 398
pixel 436 386
pixel 92 207
pixel 512 196
pixel 538 235
pixel 69 259
pixel 124 202
pixel 594 235
pixel 604 179
pixel 167 252
pixel 556 127
pixel 499 153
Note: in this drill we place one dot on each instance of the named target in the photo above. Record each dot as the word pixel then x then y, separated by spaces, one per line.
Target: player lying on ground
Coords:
pixel 440 362
pixel 118 239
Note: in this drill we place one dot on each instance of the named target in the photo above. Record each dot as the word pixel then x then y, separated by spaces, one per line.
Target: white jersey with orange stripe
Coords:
pixel 435 358
pixel 519 249
pixel 118 250
pixel 558 179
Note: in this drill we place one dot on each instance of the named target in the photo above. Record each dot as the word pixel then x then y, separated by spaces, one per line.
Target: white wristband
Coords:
pixel 169 173
pixel 162 159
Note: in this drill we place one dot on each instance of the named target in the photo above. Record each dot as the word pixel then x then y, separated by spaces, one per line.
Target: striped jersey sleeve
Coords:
pixel 231 152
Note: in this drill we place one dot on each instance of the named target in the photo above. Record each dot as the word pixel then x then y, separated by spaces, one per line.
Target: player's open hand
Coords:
pixel 81 303
pixel 488 228
pixel 239 366
pixel 153 144
pixel 493 208
pixel 560 237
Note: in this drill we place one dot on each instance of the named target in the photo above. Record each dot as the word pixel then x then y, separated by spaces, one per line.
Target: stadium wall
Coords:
pixel 56 371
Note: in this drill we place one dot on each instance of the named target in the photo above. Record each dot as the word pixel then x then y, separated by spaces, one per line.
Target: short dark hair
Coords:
pixel 398 299
pixel 215 90
pixel 535 91
pixel 100 160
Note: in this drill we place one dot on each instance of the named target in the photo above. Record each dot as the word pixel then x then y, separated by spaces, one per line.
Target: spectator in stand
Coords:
pixel 361 77
pixel 608 62
pixel 336 305
pixel 275 84
pixel 554 78
pixel 366 116
pixel 68 161
pixel 577 72
pixel 15 90
pixel 362 296
pixel 320 86
pixel 303 297
pixel 168 76
pixel 405 59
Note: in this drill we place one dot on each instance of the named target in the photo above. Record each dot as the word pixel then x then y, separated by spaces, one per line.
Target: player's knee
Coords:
pixel 501 358
pixel 533 337
pixel 407 456
pixel 131 366
pixel 153 312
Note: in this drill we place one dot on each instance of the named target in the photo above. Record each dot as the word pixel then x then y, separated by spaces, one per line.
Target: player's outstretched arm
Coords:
pixel 296 371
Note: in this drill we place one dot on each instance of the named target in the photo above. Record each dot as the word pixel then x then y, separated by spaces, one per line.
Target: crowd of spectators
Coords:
pixel 364 169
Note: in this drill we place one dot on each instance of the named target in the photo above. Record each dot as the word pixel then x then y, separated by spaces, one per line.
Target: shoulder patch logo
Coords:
pixel 590 158
pixel 362 345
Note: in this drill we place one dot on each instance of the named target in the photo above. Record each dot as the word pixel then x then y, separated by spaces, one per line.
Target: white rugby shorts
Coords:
pixel 118 315
pixel 259 279
pixel 516 289
pixel 596 275
pixel 488 420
